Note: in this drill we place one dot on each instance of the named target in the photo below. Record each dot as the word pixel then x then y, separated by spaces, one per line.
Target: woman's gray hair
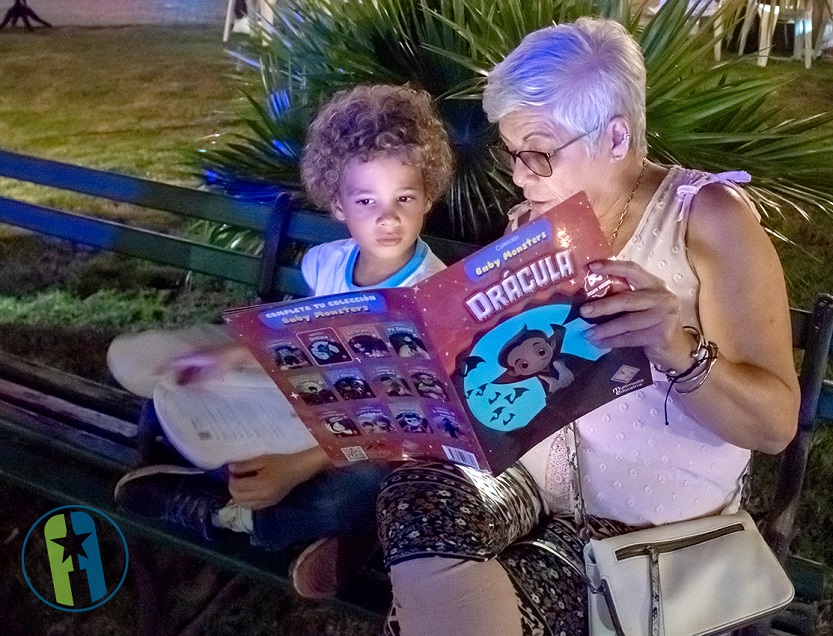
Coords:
pixel 582 73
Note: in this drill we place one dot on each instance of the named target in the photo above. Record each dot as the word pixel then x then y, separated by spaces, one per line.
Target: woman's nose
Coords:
pixel 521 173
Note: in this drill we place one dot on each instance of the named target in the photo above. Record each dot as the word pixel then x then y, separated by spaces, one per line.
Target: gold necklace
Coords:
pixel 627 205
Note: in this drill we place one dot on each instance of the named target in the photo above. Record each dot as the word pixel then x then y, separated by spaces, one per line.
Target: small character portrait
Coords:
pixel 314 391
pixel 353 387
pixel 368 346
pixel 449 427
pixel 532 353
pixel 341 426
pixel 327 352
pixel 427 385
pixel 394 386
pixel 376 425
pixel 407 345
pixel 412 422
pixel 288 356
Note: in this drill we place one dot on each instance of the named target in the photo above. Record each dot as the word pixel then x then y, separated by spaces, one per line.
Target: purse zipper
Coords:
pixel 643 549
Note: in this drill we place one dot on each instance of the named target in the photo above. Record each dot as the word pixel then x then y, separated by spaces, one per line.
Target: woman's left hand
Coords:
pixel 649 317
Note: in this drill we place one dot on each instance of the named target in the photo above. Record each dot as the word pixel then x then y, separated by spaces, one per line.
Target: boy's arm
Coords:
pixel 211 362
pixel 310 268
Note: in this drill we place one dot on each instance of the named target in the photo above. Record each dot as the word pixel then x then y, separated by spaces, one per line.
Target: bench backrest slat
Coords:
pixel 117 237
pixel 134 190
pixel 815 334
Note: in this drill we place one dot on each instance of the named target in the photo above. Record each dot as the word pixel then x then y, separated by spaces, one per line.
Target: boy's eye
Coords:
pixel 364 201
pixel 405 198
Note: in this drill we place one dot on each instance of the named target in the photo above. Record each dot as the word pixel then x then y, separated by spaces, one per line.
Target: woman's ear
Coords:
pixel 618 137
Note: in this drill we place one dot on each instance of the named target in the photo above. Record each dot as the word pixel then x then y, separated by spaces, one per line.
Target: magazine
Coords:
pixel 475 365
pixel 234 417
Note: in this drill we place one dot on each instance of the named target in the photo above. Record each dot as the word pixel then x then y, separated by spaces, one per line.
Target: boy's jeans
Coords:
pixel 338 502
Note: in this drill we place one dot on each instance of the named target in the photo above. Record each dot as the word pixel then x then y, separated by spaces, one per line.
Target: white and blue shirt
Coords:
pixel 328 268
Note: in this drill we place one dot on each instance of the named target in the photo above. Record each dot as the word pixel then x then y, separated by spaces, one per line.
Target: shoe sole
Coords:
pixel 156 469
pixel 295 577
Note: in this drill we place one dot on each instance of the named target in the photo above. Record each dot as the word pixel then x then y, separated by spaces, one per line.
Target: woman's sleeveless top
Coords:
pixel 634 468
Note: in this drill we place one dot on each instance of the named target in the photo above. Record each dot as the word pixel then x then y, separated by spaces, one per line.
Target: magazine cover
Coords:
pixel 475 365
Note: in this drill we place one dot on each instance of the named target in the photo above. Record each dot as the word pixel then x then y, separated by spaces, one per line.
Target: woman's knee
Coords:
pixel 441 595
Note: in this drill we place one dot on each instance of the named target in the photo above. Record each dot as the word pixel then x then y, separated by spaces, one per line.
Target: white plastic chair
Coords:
pixel 799 12
pixel 257 10
pixel 709 7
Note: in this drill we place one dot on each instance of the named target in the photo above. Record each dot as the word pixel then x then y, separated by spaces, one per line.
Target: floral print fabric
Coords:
pixel 434 509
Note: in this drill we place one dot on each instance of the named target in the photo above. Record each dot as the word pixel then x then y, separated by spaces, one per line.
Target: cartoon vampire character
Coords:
pixel 531 353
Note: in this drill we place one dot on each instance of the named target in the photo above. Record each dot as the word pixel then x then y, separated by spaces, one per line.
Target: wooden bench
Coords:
pixel 53 423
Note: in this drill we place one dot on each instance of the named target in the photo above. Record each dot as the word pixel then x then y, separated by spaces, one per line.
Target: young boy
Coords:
pixel 378 158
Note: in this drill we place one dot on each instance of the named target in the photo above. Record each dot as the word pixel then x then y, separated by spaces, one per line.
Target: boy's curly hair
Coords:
pixel 371 121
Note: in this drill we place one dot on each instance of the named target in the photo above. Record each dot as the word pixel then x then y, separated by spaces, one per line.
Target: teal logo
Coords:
pixel 74 558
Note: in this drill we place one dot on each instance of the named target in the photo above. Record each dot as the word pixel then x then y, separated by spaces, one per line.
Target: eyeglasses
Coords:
pixel 538 162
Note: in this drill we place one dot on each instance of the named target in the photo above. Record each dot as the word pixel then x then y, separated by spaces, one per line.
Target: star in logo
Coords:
pixel 73 544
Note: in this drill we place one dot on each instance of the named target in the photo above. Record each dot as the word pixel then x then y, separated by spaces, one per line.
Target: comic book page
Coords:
pixel 234 417
pixel 506 323
pixel 363 375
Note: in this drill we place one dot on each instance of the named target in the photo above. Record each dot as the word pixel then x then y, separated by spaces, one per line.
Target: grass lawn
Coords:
pixel 140 101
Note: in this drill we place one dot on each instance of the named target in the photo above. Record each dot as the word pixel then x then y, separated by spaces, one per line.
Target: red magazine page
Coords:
pixel 475 365
pixel 362 373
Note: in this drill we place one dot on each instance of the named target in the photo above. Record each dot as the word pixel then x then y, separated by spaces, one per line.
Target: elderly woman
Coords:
pixel 707 297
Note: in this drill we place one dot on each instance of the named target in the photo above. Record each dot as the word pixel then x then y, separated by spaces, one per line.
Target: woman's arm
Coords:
pixel 751 397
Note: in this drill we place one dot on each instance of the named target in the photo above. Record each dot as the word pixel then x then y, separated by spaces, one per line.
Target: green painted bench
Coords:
pixel 53 423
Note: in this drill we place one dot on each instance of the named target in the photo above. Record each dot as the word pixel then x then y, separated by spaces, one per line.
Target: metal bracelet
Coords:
pixel 701 376
pixel 698 355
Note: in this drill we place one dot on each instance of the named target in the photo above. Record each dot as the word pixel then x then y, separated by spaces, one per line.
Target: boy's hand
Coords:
pixel 265 480
pixel 210 362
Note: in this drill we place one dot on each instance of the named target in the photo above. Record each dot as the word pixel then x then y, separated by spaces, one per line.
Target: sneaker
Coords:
pixel 322 570
pixel 182 495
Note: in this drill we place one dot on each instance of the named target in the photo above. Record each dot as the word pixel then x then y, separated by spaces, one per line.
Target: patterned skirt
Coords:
pixel 434 509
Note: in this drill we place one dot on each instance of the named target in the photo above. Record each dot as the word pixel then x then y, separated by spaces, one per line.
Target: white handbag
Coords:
pixel 699 577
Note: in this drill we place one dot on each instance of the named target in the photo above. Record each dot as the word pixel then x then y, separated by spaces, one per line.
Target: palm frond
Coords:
pixel 700 114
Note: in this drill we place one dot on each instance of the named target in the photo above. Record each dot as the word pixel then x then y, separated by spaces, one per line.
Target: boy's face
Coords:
pixel 384 205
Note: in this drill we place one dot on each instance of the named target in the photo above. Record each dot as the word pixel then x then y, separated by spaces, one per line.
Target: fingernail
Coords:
pixel 586 310
pixel 595 266
pixel 590 334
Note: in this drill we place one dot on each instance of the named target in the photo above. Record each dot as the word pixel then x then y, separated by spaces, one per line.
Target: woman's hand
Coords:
pixel 265 480
pixel 650 317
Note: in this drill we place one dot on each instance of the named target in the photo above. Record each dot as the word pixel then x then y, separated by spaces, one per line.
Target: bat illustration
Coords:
pixel 518 392
pixel 468 363
pixel 496 413
pixel 481 389
pixel 495 398
pixel 469 392
pixel 508 419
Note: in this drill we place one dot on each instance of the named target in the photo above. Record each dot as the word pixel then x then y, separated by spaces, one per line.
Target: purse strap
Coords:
pixel 573 440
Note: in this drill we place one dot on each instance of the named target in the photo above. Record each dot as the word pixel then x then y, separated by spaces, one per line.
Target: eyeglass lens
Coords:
pixel 536 161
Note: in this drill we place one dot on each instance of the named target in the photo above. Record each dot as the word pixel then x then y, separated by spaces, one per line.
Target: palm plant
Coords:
pixel 699 115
